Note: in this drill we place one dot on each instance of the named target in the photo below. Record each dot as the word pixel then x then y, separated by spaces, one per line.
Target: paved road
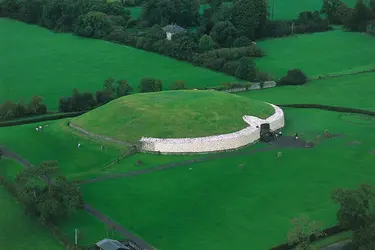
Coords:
pixel 96 213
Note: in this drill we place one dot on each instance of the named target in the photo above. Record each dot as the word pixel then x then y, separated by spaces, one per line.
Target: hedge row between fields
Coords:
pixel 41 119
pixel 331 231
pixel 330 108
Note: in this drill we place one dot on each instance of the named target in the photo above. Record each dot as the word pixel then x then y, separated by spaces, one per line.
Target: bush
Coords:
pixel 246 69
pixel 150 85
pixel 10 110
pixel 178 85
pixel 242 41
pixel 293 77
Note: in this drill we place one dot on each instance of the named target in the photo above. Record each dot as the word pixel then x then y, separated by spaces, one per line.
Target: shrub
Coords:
pixel 293 77
pixel 150 85
pixel 179 84
pixel 246 69
pixel 242 41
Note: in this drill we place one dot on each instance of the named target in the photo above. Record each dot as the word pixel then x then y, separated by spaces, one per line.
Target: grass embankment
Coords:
pixel 53 64
pixel 217 201
pixel 354 91
pixel 59 142
pixel 172 114
pixel 17 230
pixel 319 54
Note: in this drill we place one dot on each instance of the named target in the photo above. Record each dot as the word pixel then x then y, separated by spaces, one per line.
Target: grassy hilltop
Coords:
pixel 172 114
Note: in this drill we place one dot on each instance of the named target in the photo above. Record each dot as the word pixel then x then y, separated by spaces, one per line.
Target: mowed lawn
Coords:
pixel 52 65
pixel 59 142
pixel 17 230
pixel 354 91
pixel 172 114
pixel 217 205
pixel 319 54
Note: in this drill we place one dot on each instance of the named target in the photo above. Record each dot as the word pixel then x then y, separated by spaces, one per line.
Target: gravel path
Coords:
pixel 100 216
pixel 282 142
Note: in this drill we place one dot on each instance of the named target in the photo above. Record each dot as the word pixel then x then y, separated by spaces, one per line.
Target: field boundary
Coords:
pixel 46 117
pixel 330 108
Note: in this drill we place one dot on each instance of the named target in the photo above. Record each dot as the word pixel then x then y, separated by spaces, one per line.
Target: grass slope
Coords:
pixel 172 114
pixel 58 142
pixel 217 205
pixel 354 91
pixel 327 53
pixel 52 65
pixel 14 224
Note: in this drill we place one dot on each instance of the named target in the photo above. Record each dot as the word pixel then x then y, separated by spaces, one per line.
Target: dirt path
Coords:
pixel 282 142
pixel 96 213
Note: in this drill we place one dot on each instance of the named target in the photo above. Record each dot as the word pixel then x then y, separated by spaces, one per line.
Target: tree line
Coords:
pixel 10 110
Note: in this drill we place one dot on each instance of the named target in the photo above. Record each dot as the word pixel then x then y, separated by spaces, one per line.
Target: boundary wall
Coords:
pixel 215 143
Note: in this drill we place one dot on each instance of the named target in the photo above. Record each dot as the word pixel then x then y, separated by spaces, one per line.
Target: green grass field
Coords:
pixel 354 91
pixel 17 230
pixel 59 142
pixel 216 205
pixel 52 65
pixel 172 114
pixel 318 54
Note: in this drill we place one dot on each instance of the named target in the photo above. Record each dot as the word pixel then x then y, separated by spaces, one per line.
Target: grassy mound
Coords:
pixel 172 114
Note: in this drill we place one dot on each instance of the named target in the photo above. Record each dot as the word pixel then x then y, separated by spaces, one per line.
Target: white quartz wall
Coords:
pixel 222 142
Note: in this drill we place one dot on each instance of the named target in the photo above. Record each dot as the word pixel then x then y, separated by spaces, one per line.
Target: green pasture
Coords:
pixel 319 54
pixel 172 114
pixel 59 142
pixel 218 205
pixel 17 230
pixel 354 91
pixel 53 64
pixel 290 9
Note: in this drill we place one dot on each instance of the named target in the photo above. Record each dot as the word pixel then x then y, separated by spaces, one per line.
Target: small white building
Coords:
pixel 172 29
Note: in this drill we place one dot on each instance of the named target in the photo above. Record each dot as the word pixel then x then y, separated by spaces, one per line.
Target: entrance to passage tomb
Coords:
pixel 266 134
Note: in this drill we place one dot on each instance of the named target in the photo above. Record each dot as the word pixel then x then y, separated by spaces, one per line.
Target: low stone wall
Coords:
pixel 215 143
pixel 254 86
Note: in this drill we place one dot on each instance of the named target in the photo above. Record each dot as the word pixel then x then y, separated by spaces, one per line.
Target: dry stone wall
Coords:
pixel 215 143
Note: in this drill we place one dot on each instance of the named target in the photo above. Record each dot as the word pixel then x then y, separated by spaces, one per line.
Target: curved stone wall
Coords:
pixel 215 143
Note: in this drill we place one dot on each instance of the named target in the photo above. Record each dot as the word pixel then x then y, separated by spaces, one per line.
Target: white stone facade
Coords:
pixel 222 142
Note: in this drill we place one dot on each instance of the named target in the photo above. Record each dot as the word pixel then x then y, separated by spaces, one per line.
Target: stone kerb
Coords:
pixel 214 143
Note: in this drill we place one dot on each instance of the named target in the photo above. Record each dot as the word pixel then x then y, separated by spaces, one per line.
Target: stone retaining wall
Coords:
pixel 215 143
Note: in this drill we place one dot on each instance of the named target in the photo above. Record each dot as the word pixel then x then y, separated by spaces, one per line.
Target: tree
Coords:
pixel 293 77
pixel 150 85
pixel 123 88
pixel 302 231
pixel 163 12
pixel 1 153
pixel 250 17
pixel 246 69
pixel 329 8
pixel 224 33
pixel 357 213
pixel 179 84
pixel 206 43
pixel 359 17
pixel 46 194
pixel 36 107
pixel 242 41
